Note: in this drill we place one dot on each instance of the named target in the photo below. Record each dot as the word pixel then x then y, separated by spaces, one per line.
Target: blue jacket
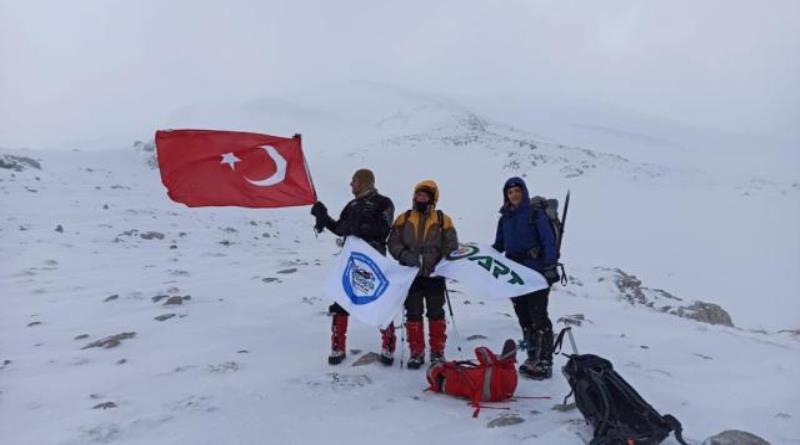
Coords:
pixel 516 235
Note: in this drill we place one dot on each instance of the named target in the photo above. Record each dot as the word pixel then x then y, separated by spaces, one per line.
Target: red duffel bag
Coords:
pixel 490 379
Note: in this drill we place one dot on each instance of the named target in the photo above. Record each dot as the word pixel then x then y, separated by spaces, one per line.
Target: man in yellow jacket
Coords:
pixel 421 237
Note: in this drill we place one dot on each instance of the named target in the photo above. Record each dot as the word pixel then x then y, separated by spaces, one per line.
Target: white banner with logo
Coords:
pixel 488 274
pixel 373 288
pixel 368 285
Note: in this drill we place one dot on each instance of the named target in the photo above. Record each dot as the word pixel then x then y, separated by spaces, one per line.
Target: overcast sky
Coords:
pixel 86 69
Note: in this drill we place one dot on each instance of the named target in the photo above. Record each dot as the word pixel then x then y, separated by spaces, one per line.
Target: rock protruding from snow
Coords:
pixel 505 420
pixel 706 312
pixel 735 437
pixel 149 150
pixel 629 288
pixel 18 163
pixel 111 341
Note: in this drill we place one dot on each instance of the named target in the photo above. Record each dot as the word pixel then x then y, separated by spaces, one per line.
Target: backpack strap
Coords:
pixel 676 426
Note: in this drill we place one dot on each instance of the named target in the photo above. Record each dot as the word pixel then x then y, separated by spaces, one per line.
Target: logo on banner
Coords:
pixel 463 251
pixel 492 265
pixel 362 280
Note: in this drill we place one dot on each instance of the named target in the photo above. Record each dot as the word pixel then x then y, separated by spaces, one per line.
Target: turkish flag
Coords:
pixel 230 168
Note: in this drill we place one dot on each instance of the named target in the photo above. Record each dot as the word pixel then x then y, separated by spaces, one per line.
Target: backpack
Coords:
pixel 617 412
pixel 491 379
pixel 549 206
pixel 550 209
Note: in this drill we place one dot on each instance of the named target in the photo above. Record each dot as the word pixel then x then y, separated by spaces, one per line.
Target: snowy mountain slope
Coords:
pixel 94 248
pixel 627 213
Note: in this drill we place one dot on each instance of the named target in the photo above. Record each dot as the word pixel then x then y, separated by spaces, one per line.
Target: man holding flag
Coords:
pixel 369 217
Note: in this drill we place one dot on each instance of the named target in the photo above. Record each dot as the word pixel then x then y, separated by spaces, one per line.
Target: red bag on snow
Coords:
pixel 492 379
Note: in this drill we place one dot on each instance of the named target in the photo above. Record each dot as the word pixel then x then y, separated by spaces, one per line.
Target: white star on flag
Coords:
pixel 230 159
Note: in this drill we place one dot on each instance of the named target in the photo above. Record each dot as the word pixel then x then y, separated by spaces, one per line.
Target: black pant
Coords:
pixel 531 310
pixel 431 290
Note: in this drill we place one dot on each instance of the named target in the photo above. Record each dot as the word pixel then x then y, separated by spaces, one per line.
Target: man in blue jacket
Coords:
pixel 527 236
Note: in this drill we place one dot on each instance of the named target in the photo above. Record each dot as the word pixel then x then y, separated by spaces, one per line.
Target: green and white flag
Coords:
pixel 487 273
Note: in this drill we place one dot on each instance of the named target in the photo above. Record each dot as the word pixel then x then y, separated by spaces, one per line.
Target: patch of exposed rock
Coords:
pixel 111 341
pixel 629 288
pixel 735 437
pixel 18 163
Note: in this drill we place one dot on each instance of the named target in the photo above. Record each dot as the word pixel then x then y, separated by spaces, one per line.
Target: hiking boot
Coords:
pixel 388 341
pixel 338 339
pixel 416 343
pixel 436 339
pixel 539 365
pixel 336 357
pixel 416 361
pixel 436 358
pixel 536 370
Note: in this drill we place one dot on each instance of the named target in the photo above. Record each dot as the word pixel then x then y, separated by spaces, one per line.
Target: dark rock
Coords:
pixel 152 235
pixel 287 271
pixel 158 298
pixel 243 351
pixel 105 206
pixel 59 229
pixel 111 297
pixel 707 313
pixel 187 297
pixel 564 407
pixel 164 317
pixel 225 243
pixel 111 341
pixel 18 163
pixel 476 337
pixel 81 337
pixel 223 368
pixel 105 405
pixel 368 359
pixel 505 420
pixel 269 279
pixel 173 300
pixel 173 246
pixel 735 437
pixel 122 361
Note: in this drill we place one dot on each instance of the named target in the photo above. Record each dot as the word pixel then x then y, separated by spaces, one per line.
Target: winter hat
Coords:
pixel 365 177
pixel 428 186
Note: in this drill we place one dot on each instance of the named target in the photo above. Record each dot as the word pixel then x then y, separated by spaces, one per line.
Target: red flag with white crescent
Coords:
pixel 230 168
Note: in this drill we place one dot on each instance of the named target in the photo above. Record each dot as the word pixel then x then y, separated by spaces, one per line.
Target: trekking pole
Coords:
pixel 452 319
pixel 402 342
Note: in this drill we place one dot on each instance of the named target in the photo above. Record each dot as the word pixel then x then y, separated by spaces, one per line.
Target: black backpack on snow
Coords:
pixel 617 412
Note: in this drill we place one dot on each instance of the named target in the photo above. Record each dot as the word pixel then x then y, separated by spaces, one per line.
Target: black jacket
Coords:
pixel 368 217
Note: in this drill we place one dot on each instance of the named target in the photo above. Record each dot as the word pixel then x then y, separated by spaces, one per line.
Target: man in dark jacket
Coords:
pixel 421 237
pixel 369 216
pixel 526 235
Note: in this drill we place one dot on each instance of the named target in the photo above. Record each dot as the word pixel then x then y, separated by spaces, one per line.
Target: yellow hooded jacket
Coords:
pixel 423 239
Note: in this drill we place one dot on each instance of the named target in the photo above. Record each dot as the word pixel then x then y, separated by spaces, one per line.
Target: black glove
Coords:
pixel 318 210
pixel 534 253
pixel 550 274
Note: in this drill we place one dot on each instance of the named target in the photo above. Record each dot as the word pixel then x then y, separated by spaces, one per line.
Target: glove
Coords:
pixel 534 253
pixel 550 274
pixel 318 210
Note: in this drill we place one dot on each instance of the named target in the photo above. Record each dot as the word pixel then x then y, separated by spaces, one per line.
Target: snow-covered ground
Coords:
pixel 91 245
